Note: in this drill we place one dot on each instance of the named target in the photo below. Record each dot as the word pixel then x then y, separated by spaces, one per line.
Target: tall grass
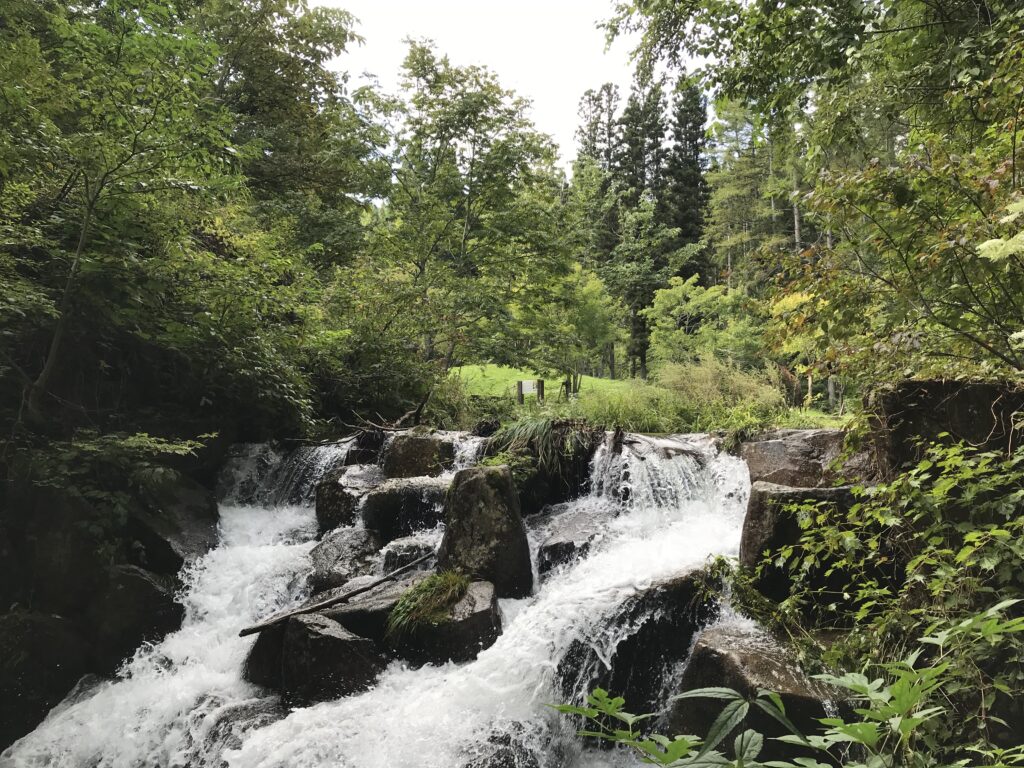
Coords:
pixel 428 603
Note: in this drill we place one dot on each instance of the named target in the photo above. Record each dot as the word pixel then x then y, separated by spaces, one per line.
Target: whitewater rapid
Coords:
pixel 183 702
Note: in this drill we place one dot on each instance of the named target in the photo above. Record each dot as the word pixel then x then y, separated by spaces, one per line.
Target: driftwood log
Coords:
pixel 312 608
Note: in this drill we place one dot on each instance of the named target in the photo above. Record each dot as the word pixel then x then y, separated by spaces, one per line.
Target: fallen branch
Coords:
pixel 281 618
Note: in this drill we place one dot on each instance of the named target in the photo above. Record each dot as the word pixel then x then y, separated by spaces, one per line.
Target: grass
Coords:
pixel 499 380
pixel 428 603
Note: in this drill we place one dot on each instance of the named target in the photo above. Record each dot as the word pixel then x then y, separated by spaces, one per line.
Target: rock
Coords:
pixel 408 549
pixel 485 428
pixel 660 624
pixel 176 524
pixel 343 554
pixel 418 454
pixel 11 572
pixel 980 413
pixel 366 447
pixel 803 458
pixel 566 533
pixel 339 493
pixel 746 660
pixel 402 506
pixel 484 534
pixel 263 664
pixel 134 606
pixel 504 749
pixel 367 614
pixel 768 527
pixel 474 623
pixel 41 658
pixel 225 726
pixel 321 660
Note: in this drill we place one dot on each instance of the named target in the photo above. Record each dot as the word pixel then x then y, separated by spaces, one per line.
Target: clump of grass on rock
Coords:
pixel 428 603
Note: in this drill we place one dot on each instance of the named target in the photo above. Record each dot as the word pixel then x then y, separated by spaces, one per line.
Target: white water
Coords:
pixel 183 703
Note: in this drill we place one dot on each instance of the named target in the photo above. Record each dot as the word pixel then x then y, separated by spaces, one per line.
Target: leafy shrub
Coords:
pixel 427 603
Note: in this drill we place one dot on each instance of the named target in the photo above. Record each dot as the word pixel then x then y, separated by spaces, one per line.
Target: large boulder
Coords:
pixel 366 447
pixel 804 458
pixel 980 413
pixel 747 660
pixel 401 507
pixel 473 624
pixel 343 554
pixel 263 663
pixel 416 454
pixel 653 632
pixel 367 614
pixel 339 493
pixel 41 658
pixel 484 535
pixel 321 660
pixel 769 526
pixel 134 606
pixel 175 524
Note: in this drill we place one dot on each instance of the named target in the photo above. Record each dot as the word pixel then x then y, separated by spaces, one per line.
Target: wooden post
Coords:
pixel 519 392
pixel 540 390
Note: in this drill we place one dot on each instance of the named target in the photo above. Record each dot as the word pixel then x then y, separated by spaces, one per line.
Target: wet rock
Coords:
pixel 504 749
pixel 175 524
pixel 654 631
pixel 41 658
pixel 339 493
pixel 401 552
pixel 980 413
pixel 747 660
pixel 484 534
pixel 367 614
pixel 366 447
pixel 343 554
pixel 263 664
pixel 803 458
pixel 11 572
pixel 473 624
pixel 768 526
pixel 566 533
pixel 135 605
pixel 321 660
pixel 418 454
pixel 401 507
pixel 227 724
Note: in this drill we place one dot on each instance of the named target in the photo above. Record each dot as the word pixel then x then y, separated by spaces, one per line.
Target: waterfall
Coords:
pixel 665 507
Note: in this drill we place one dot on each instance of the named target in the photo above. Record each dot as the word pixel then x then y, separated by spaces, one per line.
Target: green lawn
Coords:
pixel 496 380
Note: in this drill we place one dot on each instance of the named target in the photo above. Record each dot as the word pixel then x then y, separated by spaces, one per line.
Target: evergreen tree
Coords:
pixel 685 191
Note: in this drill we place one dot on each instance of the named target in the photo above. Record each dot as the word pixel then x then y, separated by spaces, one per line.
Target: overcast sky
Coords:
pixel 548 51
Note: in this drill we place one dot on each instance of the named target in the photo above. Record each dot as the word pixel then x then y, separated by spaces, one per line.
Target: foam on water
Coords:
pixel 170 706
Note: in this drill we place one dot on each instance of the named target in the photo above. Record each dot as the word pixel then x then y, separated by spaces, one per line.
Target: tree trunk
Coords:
pixel 797 238
pixel 41 387
pixel 831 382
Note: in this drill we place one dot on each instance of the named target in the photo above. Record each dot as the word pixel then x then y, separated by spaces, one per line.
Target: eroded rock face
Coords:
pixel 979 413
pixel 343 554
pixel 41 658
pixel 746 659
pixel 656 628
pixel 474 623
pixel 418 454
pixel 484 534
pixel 321 660
pixel 176 524
pixel 339 493
pixel 803 458
pixel 768 526
pixel 134 606
pixel 401 507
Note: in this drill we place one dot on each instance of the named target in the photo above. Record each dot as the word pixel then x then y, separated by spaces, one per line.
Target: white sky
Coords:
pixel 548 51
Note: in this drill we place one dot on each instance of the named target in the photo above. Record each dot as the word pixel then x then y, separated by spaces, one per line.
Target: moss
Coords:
pixel 428 603
pixel 522 466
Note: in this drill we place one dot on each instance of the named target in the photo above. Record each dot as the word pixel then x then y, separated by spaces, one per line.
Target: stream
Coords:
pixel 183 702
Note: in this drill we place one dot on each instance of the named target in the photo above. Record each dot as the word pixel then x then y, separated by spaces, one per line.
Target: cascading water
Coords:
pixel 662 507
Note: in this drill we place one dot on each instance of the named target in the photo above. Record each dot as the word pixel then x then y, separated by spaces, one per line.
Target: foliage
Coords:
pixel 551 441
pixel 930 549
pixel 898 718
pixel 427 603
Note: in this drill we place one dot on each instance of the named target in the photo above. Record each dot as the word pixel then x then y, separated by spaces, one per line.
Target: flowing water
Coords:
pixel 662 508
